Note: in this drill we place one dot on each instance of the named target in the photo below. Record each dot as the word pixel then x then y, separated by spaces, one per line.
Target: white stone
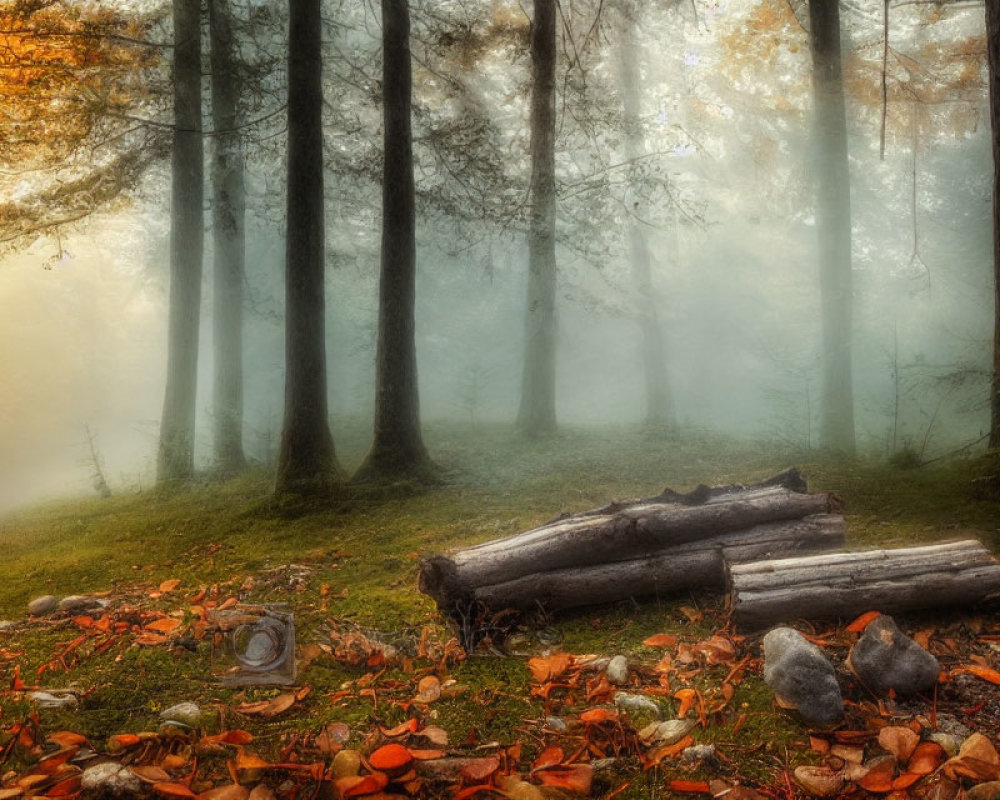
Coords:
pixel 617 670
pixel 110 779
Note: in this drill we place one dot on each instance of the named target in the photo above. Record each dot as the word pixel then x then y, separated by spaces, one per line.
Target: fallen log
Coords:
pixel 844 585
pixel 659 544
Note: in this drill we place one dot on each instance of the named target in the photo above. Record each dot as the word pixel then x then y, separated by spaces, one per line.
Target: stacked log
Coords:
pixel 843 585
pixel 655 546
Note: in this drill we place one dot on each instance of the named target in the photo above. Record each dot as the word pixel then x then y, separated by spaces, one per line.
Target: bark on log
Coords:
pixel 627 549
pixel 847 584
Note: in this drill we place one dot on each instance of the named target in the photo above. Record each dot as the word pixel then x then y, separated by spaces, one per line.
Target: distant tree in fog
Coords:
pixel 175 460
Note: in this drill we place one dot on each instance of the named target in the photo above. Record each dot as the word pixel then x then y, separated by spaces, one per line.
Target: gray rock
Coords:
pixel 187 713
pixel 48 701
pixel 556 723
pixel 948 741
pixel 637 704
pixel 617 670
pixel 669 732
pixel 801 677
pixel 79 604
pixel 110 780
pixel 885 658
pixel 698 753
pixel 43 606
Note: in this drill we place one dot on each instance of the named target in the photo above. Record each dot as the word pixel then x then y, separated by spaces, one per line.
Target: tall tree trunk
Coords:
pixel 228 211
pixel 659 404
pixel 833 223
pixel 537 415
pixel 307 461
pixel 397 449
pixel 175 459
pixel 993 50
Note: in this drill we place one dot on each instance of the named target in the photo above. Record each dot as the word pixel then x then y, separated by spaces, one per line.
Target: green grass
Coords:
pixel 365 544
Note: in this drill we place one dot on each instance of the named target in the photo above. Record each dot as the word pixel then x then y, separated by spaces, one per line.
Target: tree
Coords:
pixel 537 414
pixel 398 448
pixel 175 460
pixel 307 461
pixel 993 51
pixel 229 268
pixel 833 223
pixel 659 404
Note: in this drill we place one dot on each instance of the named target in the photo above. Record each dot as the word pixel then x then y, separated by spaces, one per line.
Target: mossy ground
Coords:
pixel 364 545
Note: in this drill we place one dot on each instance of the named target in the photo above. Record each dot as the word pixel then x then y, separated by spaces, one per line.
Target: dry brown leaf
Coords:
pixel 428 690
pixel 268 708
pixel 898 740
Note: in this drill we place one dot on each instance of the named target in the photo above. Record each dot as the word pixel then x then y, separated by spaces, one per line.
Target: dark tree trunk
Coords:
pixel 307 461
pixel 398 449
pixel 833 224
pixel 993 50
pixel 659 404
pixel 175 461
pixel 537 415
pixel 228 211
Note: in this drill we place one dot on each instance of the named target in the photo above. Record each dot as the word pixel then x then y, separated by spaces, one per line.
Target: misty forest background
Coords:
pixel 224 245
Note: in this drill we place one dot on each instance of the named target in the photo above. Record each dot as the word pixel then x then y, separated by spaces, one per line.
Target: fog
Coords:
pixel 731 226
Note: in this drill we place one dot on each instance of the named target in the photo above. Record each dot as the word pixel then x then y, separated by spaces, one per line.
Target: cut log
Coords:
pixel 847 584
pixel 658 544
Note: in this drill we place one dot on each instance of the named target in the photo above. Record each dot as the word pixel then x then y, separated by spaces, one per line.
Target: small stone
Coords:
pixel 79 604
pixel 985 791
pixel 46 700
pixel 601 764
pixel 819 781
pixel 110 780
pixel 949 742
pixel 556 724
pixel 669 732
pixel 7 625
pixel 885 658
pixel 346 763
pixel 637 704
pixel 699 752
pixel 617 670
pixel 43 606
pixel 801 677
pixel 186 713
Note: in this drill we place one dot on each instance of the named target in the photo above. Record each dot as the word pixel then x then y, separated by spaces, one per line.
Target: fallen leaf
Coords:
pixel 573 777
pixel 905 781
pixel 173 789
pixel 819 781
pixel 151 774
pixel 654 757
pixel 985 673
pixel 268 708
pixel 231 791
pixel 661 640
pixel 879 777
pixel 435 735
pixel 689 787
pixel 898 740
pixel 169 586
pixel 164 625
pixel 549 757
pixel 358 785
pixel 545 669
pixel 410 726
pixel 428 690
pixel 596 716
pixel 390 757
pixel 479 769
pixel 977 760
pixel 926 758
pixel 236 736
pixel 687 698
pixel 862 622
pixel 67 787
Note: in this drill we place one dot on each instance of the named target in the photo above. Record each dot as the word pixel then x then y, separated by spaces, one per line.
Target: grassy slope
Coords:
pixel 368 544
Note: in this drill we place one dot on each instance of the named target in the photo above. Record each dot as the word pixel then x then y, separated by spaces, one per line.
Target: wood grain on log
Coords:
pixel 847 584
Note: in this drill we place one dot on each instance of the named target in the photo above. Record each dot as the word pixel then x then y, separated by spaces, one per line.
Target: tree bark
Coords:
pixel 629 532
pixel 847 584
pixel 175 458
pixel 229 245
pixel 833 225
pixel 993 52
pixel 398 449
pixel 659 403
pixel 537 414
pixel 699 564
pixel 307 461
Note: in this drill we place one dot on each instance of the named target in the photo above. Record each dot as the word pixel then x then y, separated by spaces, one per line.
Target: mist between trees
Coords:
pixel 769 219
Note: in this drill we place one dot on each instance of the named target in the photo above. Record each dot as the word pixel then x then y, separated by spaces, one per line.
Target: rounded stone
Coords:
pixel 186 713
pixel 617 670
pixel 79 604
pixel 43 606
pixel 801 677
pixel 885 658
pixel 110 779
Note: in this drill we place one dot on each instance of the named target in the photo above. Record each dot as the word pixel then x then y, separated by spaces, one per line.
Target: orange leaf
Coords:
pixel 410 726
pixel 595 716
pixel 164 625
pixel 169 586
pixel 83 622
pixel 67 738
pixel 573 777
pixel 898 740
pixel 125 739
pixel 985 673
pixel 390 757
pixel 927 757
pixel 151 774
pixel 245 760
pixel 862 622
pixel 236 736
pixel 661 640
pixel 472 791
pixel 689 787
pixel 427 755
pixel 357 785
pixel 65 787
pixel 687 698
pixel 173 789
pixel 549 757
pixel 879 778
pixel 479 769
pixel 660 753
pixel 545 669
pixel 905 781
pixel 268 708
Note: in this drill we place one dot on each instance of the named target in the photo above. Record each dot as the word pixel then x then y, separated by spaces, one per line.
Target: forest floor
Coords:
pixel 377 665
